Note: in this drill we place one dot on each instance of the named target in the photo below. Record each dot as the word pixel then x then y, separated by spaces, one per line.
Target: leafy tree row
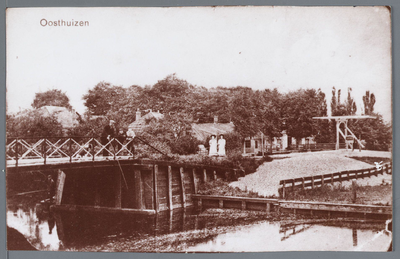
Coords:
pixel 251 111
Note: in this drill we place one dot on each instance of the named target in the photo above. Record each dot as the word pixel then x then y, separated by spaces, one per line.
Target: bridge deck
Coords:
pixel 61 160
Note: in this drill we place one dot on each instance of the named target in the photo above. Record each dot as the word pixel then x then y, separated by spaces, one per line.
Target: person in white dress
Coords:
pixel 213 146
pixel 221 146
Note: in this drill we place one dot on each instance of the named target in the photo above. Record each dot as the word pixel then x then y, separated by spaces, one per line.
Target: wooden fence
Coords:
pixel 321 180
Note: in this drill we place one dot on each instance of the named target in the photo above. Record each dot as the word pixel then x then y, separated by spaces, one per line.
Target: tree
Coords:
pixel 175 132
pixel 337 108
pixel 243 112
pixel 376 133
pixel 102 98
pixel 369 101
pixel 54 97
pixel 268 109
pixel 299 109
pixel 33 124
pixel 350 104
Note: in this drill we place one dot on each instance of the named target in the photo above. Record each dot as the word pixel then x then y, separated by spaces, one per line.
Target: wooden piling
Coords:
pixel 221 204
pixel 118 190
pixel 204 175
pixel 138 189
pixel 60 186
pixel 243 205
pixel 194 181
pixel 170 205
pixel 181 170
pixel 155 174
pixel 268 207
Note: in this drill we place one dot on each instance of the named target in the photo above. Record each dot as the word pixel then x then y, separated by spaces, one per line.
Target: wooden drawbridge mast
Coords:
pixel 344 119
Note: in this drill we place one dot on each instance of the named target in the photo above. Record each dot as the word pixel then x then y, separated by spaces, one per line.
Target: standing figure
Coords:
pixel 221 146
pixel 131 135
pixel 213 146
pixel 108 134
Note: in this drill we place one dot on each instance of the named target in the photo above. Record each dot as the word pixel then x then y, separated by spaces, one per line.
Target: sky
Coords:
pixel 260 47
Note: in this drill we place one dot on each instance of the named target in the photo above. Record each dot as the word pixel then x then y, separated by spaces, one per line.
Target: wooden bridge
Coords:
pixel 89 181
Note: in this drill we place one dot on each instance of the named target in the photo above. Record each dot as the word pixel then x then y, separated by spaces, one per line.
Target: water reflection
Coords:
pixel 82 230
pixel 263 236
pixel 40 232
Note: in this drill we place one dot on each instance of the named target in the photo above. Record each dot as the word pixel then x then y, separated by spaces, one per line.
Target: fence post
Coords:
pixel 312 182
pixel 354 190
pixel 332 179
pixel 293 185
pixel 44 150
pixel 70 150
pixel 16 153
pixel 92 147
pixel 302 183
pixel 113 146
pixel 283 189
pixel 322 180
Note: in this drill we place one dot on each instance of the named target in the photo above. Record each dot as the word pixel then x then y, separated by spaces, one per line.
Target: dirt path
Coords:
pixel 265 181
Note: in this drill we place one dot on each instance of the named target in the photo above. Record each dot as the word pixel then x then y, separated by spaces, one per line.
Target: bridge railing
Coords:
pixel 73 148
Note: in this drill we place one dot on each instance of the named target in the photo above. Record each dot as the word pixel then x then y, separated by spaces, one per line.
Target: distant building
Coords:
pixel 141 121
pixel 67 118
pixel 203 130
pixel 255 145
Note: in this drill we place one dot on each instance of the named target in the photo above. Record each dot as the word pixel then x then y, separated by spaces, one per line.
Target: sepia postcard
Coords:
pixel 199 129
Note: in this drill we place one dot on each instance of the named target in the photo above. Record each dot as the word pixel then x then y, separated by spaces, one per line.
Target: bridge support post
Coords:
pixel 118 190
pixel 181 171
pixel 194 181
pixel 138 189
pixel 155 184
pixel 170 205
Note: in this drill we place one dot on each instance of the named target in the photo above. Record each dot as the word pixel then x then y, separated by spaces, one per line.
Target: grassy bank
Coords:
pixel 372 195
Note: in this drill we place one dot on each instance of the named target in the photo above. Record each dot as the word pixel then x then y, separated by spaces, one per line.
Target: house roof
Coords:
pixel 202 130
pixel 140 123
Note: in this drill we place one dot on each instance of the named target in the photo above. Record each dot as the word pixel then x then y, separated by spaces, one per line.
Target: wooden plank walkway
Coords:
pixel 68 207
pixel 230 202
pixel 264 204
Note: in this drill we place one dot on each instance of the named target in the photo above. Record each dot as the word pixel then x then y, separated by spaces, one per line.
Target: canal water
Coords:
pixel 187 231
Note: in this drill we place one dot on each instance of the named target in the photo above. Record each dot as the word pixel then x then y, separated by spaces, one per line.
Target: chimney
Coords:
pixel 215 119
pixel 138 114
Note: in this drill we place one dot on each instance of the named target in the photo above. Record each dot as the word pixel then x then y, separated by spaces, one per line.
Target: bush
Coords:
pixel 32 124
pixel 236 160
pixel 185 145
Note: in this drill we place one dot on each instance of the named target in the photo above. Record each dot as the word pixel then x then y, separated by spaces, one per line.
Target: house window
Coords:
pixel 247 143
pixel 256 144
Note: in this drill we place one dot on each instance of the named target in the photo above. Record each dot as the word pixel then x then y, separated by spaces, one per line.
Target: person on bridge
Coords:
pixel 108 134
pixel 131 135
